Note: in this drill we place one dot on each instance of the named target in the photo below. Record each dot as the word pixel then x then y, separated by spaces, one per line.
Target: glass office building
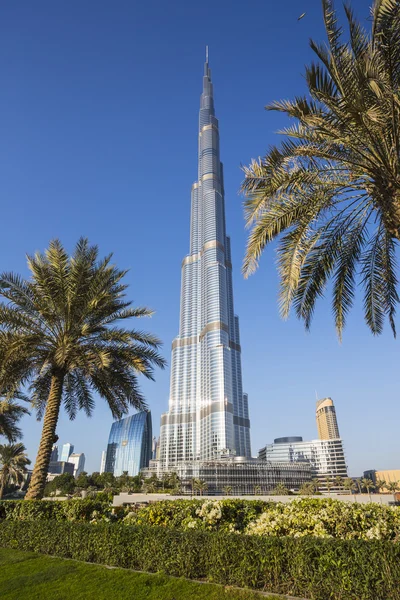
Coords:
pixel 325 457
pixel 208 415
pixel 66 451
pixel 129 445
pixel 245 476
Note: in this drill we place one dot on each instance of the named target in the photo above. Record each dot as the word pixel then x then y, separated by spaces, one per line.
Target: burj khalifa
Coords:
pixel 208 416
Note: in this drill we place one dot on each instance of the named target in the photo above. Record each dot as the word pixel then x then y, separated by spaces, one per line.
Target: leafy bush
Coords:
pixel 307 567
pixel 66 510
pixel 230 515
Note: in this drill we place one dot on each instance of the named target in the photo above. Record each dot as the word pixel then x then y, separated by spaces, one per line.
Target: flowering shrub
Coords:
pixel 325 518
pixel 329 519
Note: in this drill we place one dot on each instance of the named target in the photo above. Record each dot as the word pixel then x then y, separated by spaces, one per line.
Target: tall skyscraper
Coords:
pixel 208 412
pixel 326 420
pixel 129 445
pixel 66 451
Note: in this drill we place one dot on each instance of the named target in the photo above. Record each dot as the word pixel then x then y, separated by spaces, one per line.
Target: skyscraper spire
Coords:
pixel 208 412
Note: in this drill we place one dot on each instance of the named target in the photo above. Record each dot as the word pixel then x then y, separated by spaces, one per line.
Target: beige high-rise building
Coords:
pixel 326 420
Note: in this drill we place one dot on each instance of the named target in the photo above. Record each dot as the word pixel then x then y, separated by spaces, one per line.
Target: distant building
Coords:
pixel 325 457
pixel 103 461
pixel 59 468
pixel 129 445
pixel 326 420
pixel 158 449
pixel 78 460
pixel 66 451
pixel 154 449
pixel 390 476
pixel 54 454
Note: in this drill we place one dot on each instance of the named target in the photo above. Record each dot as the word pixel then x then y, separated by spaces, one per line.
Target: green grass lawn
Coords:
pixel 28 576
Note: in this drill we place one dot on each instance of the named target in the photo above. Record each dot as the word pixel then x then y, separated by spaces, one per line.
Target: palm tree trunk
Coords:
pixel 2 486
pixel 39 475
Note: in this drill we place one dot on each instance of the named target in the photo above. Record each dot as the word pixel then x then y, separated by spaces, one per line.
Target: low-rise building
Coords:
pixel 325 457
pixel 388 476
pixel 243 475
pixel 59 467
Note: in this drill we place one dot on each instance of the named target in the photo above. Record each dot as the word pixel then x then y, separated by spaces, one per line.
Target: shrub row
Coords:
pixel 319 569
pixel 324 518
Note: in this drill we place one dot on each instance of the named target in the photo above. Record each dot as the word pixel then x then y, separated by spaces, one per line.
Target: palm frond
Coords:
pixel 336 176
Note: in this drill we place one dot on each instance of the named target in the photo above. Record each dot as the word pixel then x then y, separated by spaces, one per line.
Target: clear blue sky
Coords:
pixel 98 106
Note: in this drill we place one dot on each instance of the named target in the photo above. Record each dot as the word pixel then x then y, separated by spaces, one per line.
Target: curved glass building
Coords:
pixel 129 445
pixel 208 415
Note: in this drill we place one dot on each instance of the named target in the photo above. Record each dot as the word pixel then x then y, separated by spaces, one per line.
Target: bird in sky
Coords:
pixel 301 16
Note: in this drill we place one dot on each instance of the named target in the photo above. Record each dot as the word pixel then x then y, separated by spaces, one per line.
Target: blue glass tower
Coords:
pixel 208 415
pixel 66 451
pixel 129 445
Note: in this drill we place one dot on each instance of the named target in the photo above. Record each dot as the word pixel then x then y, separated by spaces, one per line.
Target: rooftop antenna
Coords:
pixel 206 54
pixel 316 395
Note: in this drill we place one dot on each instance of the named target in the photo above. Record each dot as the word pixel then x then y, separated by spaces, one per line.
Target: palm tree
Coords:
pixel 13 461
pixel 328 484
pixel 393 486
pixel 10 414
pixel 306 489
pixel 316 483
pixel 380 484
pixel 368 484
pixel 358 483
pixel 201 486
pixel 149 488
pixel 349 485
pixel 173 481
pixel 227 490
pixel 338 482
pixel 59 336
pixel 280 490
pixel 333 186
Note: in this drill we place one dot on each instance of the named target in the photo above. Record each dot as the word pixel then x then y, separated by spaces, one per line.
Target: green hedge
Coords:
pixel 319 569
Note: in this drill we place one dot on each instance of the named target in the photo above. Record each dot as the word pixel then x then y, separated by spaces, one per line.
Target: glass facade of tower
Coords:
pixel 129 445
pixel 208 414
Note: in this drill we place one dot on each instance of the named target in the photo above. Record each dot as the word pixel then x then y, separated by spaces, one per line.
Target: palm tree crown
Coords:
pixel 333 186
pixel 13 463
pixel 10 414
pixel 59 336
